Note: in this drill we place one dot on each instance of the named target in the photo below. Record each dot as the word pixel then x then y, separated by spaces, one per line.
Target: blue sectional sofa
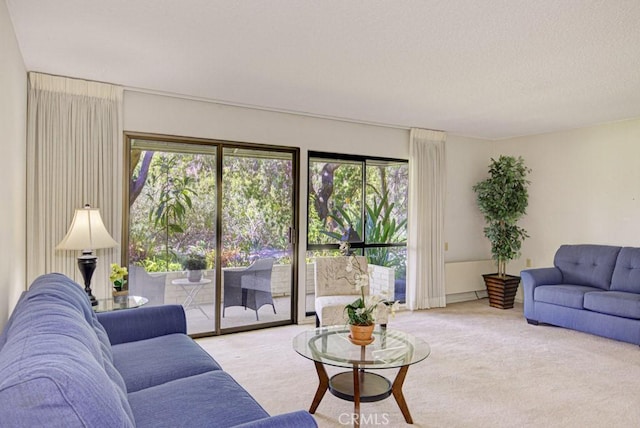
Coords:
pixel 591 288
pixel 62 365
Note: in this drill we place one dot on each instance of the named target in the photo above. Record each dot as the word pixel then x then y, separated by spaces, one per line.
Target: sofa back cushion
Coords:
pixel 626 275
pixel 590 265
pixel 55 368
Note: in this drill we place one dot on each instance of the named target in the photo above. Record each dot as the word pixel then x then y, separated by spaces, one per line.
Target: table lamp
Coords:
pixel 87 233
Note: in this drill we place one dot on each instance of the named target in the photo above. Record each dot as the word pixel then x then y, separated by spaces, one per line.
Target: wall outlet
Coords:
pixel 529 263
pixel 446 246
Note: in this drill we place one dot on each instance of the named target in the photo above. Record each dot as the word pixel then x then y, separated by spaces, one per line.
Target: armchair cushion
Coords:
pixel 332 277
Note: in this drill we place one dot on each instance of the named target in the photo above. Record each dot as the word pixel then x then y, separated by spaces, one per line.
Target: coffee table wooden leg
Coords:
pixel 323 385
pixel 356 397
pixel 396 389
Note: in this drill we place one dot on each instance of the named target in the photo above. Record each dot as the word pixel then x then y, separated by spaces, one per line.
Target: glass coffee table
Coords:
pixel 121 302
pixel 389 349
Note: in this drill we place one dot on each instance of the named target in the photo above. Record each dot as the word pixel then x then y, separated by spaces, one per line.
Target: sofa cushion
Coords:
pixel 151 362
pixel 212 399
pixel 571 296
pixel 590 265
pixel 626 275
pixel 54 370
pixel 617 303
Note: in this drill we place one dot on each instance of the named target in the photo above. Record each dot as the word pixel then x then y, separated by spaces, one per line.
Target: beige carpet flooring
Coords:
pixel 487 368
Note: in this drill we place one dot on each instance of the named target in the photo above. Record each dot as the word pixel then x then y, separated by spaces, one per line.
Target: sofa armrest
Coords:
pixel 541 276
pixel 130 325
pixel 531 278
pixel 298 419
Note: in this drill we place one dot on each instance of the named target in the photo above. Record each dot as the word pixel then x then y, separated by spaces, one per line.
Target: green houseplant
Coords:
pixel 194 264
pixel 503 199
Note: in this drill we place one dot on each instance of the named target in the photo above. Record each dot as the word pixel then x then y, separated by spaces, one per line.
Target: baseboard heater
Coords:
pixel 463 280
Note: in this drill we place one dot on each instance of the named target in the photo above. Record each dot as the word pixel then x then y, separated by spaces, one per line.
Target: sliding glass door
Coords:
pixel 209 227
pixel 257 227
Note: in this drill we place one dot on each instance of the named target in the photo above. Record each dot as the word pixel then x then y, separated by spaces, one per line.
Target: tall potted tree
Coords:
pixel 502 199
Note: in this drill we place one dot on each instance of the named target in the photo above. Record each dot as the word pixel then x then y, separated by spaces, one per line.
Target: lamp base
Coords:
pixel 87 264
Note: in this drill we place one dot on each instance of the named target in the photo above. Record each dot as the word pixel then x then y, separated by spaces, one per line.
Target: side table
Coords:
pixel 191 289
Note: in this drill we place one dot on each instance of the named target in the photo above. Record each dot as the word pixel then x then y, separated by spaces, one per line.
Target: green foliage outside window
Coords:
pixel 175 213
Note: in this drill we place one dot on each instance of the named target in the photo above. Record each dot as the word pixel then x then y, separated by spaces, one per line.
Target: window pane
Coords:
pixel 387 198
pixel 172 212
pixel 335 201
pixel 257 189
pixel 172 218
pixel 257 214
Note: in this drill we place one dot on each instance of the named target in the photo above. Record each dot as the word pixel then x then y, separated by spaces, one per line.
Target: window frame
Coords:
pixel 358 247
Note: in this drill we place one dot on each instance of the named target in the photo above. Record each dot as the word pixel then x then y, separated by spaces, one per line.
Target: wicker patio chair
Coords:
pixel 249 287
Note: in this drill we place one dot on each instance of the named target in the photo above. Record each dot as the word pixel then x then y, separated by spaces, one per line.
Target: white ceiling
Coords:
pixel 490 69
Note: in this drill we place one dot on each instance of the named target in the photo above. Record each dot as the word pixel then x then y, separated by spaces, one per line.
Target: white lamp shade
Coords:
pixel 87 232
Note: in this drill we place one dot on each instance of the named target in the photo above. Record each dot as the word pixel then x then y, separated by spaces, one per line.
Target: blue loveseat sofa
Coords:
pixel 62 365
pixel 591 288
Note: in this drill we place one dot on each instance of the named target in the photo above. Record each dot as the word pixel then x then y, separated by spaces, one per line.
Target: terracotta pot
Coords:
pixel 361 333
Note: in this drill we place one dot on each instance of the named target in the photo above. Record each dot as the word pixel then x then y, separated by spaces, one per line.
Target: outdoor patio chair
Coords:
pixel 335 288
pixel 249 287
pixel 145 285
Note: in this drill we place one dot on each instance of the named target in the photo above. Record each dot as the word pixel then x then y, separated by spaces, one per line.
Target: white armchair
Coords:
pixel 335 288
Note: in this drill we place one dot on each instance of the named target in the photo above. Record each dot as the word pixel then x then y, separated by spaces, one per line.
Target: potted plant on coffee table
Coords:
pixel 361 312
pixel 502 199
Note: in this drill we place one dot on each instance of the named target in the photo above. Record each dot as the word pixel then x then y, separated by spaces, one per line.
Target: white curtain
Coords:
pixel 425 241
pixel 74 156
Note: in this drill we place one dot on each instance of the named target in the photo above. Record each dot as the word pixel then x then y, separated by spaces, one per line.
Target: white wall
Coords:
pixel 178 116
pixel 467 161
pixel 585 188
pixel 13 110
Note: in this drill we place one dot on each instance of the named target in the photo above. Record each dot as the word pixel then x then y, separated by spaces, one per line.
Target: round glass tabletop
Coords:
pixel 123 302
pixel 389 349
